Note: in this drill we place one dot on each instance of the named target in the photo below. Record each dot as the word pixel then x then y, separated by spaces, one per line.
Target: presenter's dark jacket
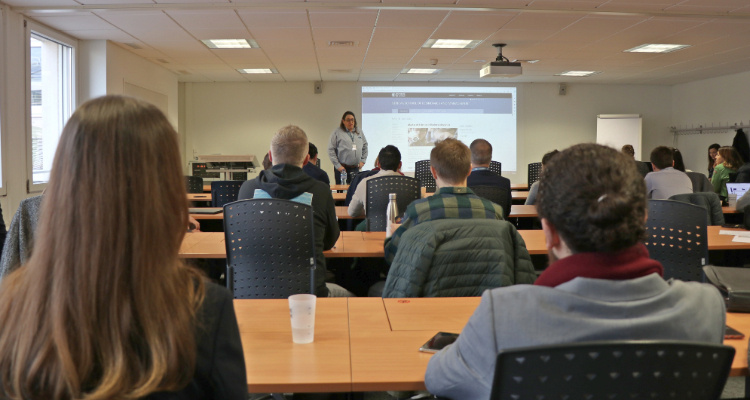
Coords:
pixel 220 364
pixel 285 181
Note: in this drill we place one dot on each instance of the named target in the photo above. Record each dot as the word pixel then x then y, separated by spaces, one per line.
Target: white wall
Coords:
pixel 240 118
pixel 719 101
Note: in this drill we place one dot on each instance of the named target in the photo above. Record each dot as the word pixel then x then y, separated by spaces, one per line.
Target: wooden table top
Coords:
pixel 199 196
pixel 370 244
pixel 519 186
pixel 519 195
pixel 516 211
pixel 730 210
pixel 339 187
pixel 276 364
pixel 367 343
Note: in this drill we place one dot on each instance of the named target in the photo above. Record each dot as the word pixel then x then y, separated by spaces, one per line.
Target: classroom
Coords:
pixel 219 111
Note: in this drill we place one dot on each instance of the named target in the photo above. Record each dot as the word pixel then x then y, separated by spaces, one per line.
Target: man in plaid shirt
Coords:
pixel 450 164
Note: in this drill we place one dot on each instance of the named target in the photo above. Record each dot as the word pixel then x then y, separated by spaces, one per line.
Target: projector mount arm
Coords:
pixel 500 56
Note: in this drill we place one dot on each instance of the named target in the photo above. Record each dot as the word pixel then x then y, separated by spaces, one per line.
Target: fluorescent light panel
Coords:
pixel 657 48
pixel 257 71
pixel 420 71
pixel 230 43
pixel 578 73
pixel 451 43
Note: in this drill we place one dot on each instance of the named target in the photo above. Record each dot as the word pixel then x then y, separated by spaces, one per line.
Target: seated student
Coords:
pixel 388 163
pixel 642 167
pixel 450 166
pixel 600 285
pixel 728 160
pixel 312 169
pixel 665 181
pixel 534 189
pixel 113 310
pixel 481 155
pixel 287 180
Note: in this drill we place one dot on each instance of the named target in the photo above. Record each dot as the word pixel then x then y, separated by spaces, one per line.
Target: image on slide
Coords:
pixel 430 136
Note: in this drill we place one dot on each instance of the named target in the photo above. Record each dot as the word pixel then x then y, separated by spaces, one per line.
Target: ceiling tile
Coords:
pixel 343 19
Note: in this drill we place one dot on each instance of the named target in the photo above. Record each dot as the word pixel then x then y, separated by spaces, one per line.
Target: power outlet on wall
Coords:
pixel 318 88
pixel 563 89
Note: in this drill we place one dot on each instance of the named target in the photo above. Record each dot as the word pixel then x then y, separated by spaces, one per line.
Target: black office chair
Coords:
pixel 677 237
pixel 495 194
pixel 709 201
pixel 194 184
pixel 700 182
pixel 223 192
pixel 270 248
pixel 406 188
pixel 422 172
pixel 613 370
pixel 496 167
pixel 317 163
pixel 534 170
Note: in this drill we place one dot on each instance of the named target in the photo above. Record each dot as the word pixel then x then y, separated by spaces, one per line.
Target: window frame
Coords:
pixel 31 27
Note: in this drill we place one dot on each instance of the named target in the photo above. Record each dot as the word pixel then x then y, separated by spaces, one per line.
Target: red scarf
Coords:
pixel 629 263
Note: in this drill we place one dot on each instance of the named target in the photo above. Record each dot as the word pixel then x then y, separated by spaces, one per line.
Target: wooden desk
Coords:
pixel 366 344
pixel 730 210
pixel 339 187
pixel 276 364
pixel 519 195
pixel 522 211
pixel 199 196
pixel 207 188
pixel 339 196
pixel 200 216
pixel 519 186
pixel 370 244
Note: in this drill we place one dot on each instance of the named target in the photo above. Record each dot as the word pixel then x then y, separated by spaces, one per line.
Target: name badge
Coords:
pixel 354 147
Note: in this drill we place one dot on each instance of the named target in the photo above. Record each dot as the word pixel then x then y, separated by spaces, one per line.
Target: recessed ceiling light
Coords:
pixel 578 73
pixel 419 71
pixel 657 48
pixel 231 43
pixel 451 44
pixel 257 71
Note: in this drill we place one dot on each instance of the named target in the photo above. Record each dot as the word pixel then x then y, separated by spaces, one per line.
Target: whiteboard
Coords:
pixel 616 130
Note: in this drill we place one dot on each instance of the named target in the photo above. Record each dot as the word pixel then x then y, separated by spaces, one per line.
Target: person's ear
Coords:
pixel 270 157
pixel 434 173
pixel 551 236
pixel 307 160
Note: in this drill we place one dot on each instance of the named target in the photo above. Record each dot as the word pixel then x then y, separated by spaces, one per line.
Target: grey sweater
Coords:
pixel 19 241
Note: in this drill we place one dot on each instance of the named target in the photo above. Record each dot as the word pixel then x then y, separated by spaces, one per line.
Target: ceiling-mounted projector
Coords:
pixel 501 67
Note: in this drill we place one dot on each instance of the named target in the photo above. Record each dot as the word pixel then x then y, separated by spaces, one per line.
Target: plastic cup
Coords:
pixel 302 312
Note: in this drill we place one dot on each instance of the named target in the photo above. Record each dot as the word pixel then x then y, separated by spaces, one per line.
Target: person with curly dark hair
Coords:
pixel 600 285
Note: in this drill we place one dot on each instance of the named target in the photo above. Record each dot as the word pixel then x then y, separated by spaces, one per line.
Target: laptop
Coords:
pixel 738 188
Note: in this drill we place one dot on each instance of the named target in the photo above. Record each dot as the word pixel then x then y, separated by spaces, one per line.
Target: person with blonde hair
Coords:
pixel 104 308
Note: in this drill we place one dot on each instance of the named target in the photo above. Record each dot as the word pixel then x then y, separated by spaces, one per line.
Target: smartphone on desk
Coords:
pixel 731 333
pixel 437 342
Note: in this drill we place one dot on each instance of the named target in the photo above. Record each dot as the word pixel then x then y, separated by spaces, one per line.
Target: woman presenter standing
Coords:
pixel 347 148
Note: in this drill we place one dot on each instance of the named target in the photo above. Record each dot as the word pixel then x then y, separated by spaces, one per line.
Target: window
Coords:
pixel 51 94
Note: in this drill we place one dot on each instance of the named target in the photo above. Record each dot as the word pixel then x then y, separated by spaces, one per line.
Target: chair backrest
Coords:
pixel 700 182
pixel 194 184
pixel 677 237
pixel 317 163
pixel 423 174
pixel 406 189
pixel 613 370
pixel 709 201
pixel 223 192
pixel 495 194
pixel 270 248
pixel 496 167
pixel 534 170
